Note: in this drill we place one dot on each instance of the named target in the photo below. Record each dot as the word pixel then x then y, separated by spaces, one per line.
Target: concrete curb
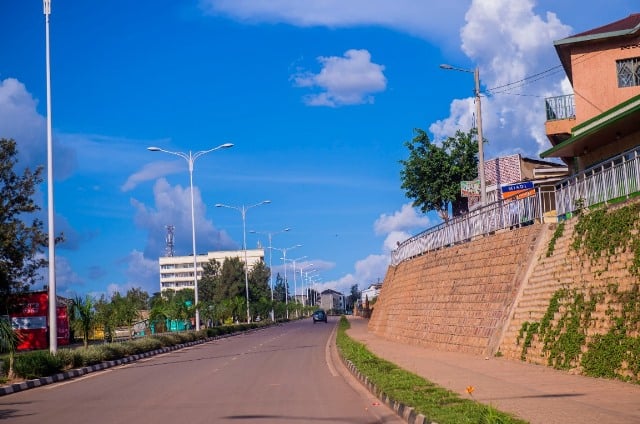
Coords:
pixel 403 411
pixel 77 372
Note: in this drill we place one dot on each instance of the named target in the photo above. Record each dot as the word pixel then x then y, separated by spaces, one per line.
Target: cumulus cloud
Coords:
pixel 173 207
pixel 152 171
pixel 430 20
pixel 404 219
pixel 367 271
pixel 20 121
pixel 508 42
pixel 141 272
pixel 347 80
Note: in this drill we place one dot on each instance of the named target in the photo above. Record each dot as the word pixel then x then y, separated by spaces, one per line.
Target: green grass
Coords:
pixel 434 402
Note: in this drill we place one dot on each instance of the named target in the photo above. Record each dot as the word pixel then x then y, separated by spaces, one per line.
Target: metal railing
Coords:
pixel 616 178
pixel 493 217
pixel 560 107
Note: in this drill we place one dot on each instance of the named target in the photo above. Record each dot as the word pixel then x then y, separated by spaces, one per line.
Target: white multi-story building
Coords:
pixel 176 272
pixel 332 301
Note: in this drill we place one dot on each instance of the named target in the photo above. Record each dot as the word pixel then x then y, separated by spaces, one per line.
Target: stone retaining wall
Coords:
pixel 475 297
pixel 457 298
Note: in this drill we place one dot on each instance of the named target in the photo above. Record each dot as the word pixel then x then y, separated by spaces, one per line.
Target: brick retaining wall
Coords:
pixel 457 298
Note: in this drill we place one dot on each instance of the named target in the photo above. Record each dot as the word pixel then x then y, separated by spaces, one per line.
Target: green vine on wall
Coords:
pixel 556 235
pixel 602 232
pixel 563 333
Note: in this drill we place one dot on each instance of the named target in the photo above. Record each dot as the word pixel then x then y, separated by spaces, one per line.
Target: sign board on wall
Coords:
pixel 470 188
pixel 518 190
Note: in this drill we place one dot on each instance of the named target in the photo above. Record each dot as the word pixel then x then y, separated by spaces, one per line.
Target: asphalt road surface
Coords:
pixel 282 374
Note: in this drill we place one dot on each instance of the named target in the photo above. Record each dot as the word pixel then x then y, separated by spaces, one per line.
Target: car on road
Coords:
pixel 319 315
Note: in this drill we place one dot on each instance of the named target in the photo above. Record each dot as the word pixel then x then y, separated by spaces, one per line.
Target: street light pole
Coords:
pixel 305 294
pixel 53 313
pixel 476 79
pixel 286 283
pixel 295 284
pixel 191 158
pixel 270 235
pixel 243 211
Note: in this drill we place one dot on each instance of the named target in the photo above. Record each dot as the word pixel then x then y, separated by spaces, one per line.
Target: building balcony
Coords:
pixel 561 118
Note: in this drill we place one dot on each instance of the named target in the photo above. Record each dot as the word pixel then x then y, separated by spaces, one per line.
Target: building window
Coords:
pixel 628 72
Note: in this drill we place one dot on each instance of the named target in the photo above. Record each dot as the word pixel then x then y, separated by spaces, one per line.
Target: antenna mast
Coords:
pixel 169 248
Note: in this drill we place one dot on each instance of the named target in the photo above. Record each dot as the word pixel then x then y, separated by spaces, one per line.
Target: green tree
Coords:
pixel 220 282
pixel 83 317
pixel 210 281
pixel 21 243
pixel 106 316
pixel 9 341
pixel 353 297
pixel 259 282
pixel 432 174
pixel 279 289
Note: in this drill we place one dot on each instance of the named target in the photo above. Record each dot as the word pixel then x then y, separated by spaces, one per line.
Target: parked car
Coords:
pixel 319 315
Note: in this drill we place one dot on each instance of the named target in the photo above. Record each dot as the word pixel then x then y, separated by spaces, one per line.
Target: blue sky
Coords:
pixel 318 98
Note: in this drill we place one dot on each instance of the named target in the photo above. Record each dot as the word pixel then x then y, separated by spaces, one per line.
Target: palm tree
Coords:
pixel 84 317
pixel 9 340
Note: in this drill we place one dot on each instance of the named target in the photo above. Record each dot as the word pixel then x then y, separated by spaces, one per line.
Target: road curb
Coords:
pixel 405 412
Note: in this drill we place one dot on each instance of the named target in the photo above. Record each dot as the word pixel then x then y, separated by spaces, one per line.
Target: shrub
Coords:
pixel 37 364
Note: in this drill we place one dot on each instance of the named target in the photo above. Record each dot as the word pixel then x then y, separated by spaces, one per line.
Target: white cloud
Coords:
pixel 367 271
pixel 404 219
pixel 152 171
pixel 346 80
pixel 173 207
pixel 141 272
pixel 431 20
pixel 508 42
pixel 394 238
pixel 20 120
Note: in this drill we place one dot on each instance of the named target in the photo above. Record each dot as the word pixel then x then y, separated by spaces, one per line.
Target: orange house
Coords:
pixel 602 118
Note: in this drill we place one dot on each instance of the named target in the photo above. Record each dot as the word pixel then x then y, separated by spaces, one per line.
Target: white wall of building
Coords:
pixel 176 272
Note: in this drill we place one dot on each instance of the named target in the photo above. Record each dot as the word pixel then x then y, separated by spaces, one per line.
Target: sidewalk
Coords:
pixel 535 393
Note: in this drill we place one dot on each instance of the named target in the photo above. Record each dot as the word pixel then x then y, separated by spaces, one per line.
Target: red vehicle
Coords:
pixel 29 315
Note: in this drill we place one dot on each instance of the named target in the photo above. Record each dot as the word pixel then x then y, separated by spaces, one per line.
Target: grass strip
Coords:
pixel 434 402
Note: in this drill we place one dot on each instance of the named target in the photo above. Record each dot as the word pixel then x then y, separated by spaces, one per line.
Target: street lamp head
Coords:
pixel 219 205
pixel 266 202
pixel 225 145
pixel 445 66
pixel 153 149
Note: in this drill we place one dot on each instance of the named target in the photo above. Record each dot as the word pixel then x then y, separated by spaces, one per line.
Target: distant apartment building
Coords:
pixel 370 293
pixel 176 272
pixel 332 301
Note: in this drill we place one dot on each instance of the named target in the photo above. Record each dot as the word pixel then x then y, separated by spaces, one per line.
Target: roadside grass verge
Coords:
pixel 434 402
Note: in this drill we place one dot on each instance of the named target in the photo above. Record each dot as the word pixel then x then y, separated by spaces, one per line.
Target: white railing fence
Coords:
pixel 618 177
pixel 493 217
pixel 613 179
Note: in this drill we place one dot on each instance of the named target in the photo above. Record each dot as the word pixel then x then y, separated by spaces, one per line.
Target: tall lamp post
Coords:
pixel 305 293
pixel 286 283
pixel 53 316
pixel 476 78
pixel 191 158
pixel 295 284
pixel 243 211
pixel 270 236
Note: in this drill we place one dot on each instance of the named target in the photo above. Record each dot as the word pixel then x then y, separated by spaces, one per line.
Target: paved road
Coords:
pixel 538 394
pixel 282 374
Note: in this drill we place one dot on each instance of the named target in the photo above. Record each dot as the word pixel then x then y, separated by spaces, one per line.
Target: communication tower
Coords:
pixel 169 239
